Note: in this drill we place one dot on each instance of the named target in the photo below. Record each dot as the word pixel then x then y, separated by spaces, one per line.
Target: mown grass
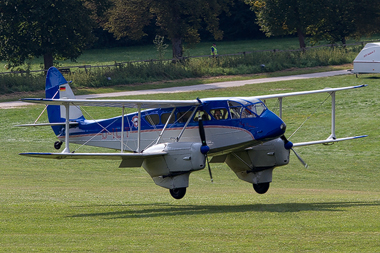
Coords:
pixel 88 206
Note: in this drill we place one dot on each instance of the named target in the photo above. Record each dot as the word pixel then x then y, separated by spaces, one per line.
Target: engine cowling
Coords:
pixel 255 165
pixel 173 169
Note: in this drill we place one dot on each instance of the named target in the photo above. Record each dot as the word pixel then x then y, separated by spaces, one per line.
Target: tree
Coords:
pixel 54 29
pixel 341 19
pixel 331 20
pixel 281 17
pixel 178 20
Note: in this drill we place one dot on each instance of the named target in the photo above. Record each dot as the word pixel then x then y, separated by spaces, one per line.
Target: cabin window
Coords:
pixel 235 109
pixel 219 113
pixel 247 112
pixel 182 117
pixel 165 116
pixel 205 116
pixel 152 119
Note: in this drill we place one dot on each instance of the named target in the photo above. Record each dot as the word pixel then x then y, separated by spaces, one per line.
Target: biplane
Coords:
pixel 171 139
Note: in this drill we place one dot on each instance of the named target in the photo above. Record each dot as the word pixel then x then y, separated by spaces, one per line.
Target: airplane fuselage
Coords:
pixel 229 123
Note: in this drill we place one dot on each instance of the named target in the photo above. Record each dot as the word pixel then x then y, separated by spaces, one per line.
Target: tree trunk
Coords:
pixel 177 48
pixel 48 61
pixel 301 38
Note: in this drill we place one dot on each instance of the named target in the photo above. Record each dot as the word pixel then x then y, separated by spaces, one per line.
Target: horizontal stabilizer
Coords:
pixel 47 124
pixel 300 144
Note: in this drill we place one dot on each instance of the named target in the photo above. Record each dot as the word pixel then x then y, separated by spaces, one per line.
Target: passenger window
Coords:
pixel 165 116
pixel 152 119
pixel 235 109
pixel 204 114
pixel 248 112
pixel 219 114
pixel 182 117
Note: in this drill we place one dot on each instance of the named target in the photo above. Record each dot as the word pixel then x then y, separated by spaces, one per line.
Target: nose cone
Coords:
pixel 272 126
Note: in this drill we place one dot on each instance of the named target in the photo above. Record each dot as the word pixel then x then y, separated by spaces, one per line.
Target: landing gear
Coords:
pixel 261 188
pixel 178 193
pixel 57 144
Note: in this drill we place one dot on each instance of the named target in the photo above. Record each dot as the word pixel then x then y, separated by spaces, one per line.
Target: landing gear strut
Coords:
pixel 178 193
pixel 57 144
pixel 261 188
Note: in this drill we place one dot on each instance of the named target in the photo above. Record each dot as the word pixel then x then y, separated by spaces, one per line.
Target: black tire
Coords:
pixel 178 193
pixel 261 188
pixel 57 144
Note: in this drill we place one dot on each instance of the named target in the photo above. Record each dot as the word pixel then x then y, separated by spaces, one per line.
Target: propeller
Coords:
pixel 204 148
pixel 289 145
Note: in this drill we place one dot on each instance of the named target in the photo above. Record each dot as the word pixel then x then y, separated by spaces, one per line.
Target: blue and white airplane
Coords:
pixel 174 137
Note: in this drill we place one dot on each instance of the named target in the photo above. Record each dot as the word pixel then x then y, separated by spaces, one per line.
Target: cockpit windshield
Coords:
pixel 257 108
pixel 246 109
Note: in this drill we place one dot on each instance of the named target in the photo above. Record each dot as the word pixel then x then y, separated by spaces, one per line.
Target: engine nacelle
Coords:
pixel 173 169
pixel 255 165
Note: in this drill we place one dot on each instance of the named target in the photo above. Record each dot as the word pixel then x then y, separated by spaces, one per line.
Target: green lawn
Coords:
pixel 94 206
pixel 109 56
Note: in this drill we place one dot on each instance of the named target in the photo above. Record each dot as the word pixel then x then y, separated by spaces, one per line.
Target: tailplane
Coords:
pixel 57 87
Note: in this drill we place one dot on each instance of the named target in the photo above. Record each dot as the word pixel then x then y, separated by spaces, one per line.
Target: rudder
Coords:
pixel 57 87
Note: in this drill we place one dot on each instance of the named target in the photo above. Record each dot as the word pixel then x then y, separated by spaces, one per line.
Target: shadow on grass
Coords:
pixel 161 210
pixel 370 77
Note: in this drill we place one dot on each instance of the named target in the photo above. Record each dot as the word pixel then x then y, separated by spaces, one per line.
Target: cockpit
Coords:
pixel 246 108
pixel 215 110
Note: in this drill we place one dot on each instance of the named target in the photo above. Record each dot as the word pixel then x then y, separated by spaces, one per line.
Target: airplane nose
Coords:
pixel 274 126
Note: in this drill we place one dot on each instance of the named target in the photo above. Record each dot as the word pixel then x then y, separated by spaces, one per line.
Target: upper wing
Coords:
pixel 328 90
pixel 127 103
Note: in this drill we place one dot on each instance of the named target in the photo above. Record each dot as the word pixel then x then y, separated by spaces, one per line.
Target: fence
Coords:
pixel 67 69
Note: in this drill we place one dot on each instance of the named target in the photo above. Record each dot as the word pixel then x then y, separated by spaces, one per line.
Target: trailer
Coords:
pixel 368 60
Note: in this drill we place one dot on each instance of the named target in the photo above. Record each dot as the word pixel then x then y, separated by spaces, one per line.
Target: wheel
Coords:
pixel 57 144
pixel 178 193
pixel 261 188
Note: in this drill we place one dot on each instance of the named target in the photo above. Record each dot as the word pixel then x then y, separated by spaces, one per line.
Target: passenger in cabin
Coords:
pixel 217 114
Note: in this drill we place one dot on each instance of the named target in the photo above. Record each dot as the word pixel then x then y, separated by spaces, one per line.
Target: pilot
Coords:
pixel 248 113
pixel 217 114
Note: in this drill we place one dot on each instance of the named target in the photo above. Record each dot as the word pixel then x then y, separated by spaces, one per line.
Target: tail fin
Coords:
pixel 57 87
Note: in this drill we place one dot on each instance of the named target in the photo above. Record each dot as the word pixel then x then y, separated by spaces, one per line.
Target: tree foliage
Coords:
pixel 331 20
pixel 48 28
pixel 178 20
pixel 281 17
pixel 342 19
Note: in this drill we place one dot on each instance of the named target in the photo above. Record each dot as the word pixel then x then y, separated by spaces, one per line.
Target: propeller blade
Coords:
pixel 209 170
pixel 300 159
pixel 204 148
pixel 202 131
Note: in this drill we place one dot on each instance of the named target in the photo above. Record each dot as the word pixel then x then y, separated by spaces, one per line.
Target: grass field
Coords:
pixel 146 52
pixel 94 206
pixel 108 56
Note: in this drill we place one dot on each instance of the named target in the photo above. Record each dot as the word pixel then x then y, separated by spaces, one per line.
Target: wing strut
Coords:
pixel 122 131
pixel 67 128
pixel 139 128
pixel 332 136
pixel 166 124
pixel 187 122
